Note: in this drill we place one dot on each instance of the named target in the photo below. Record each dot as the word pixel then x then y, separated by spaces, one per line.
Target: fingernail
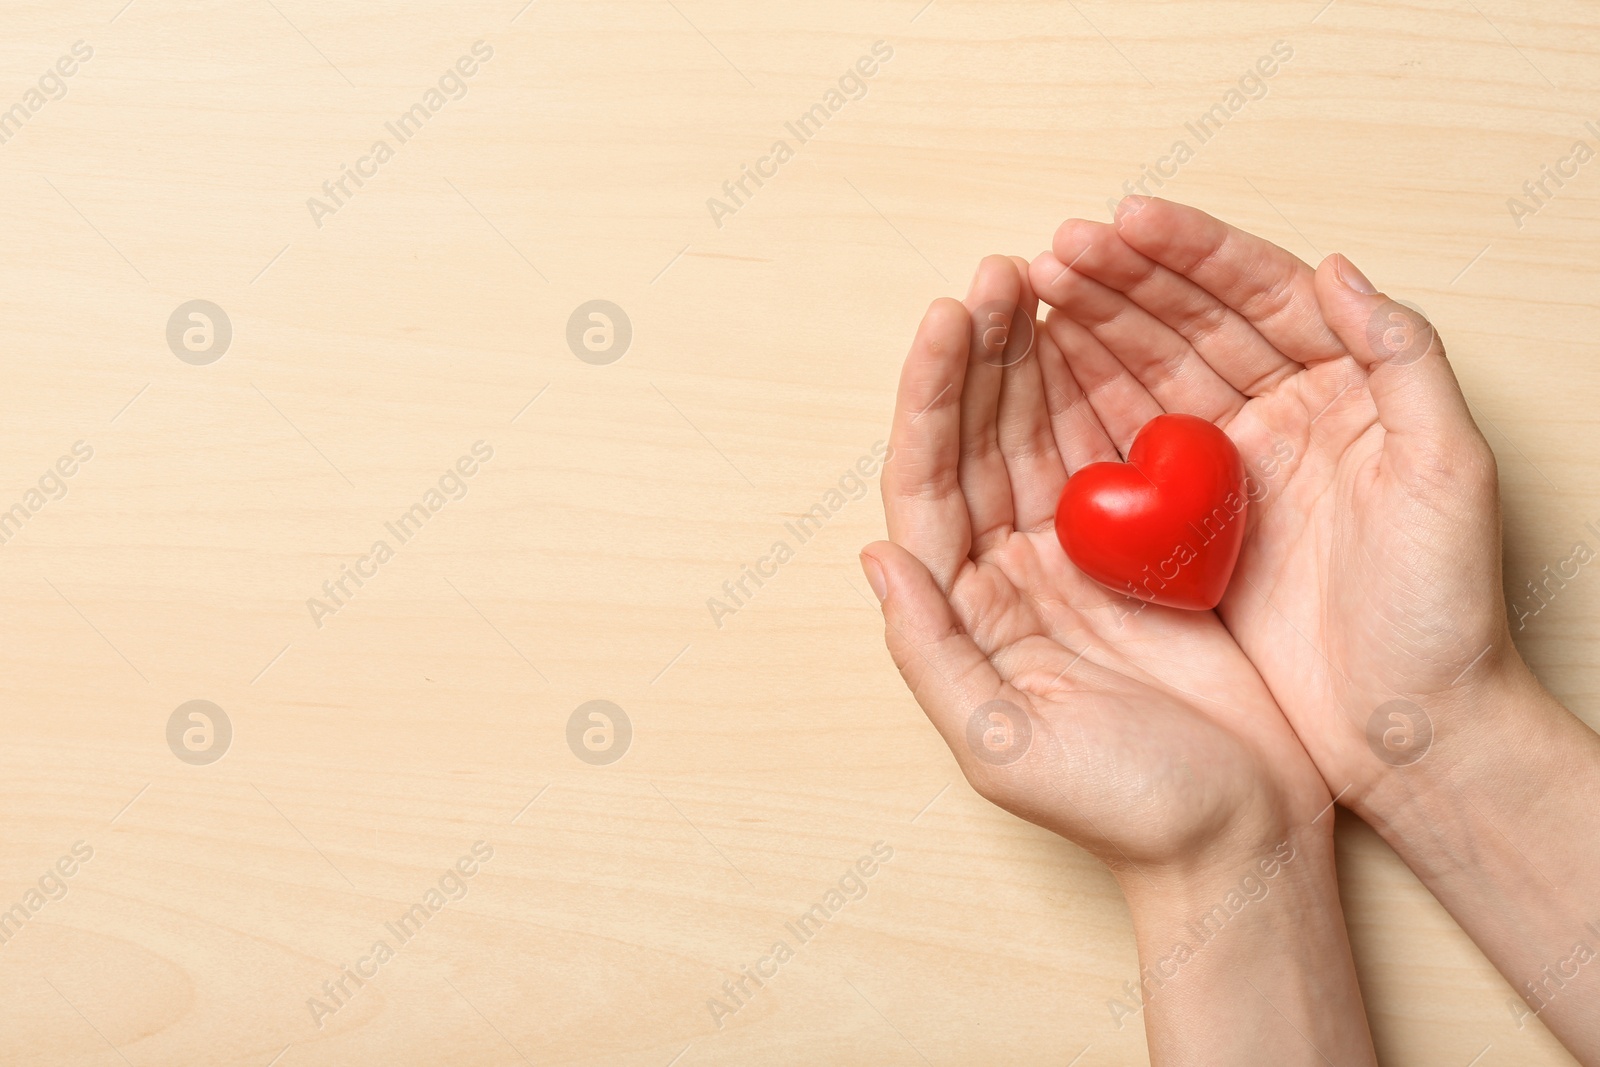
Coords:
pixel 874 572
pixel 1353 278
pixel 1130 205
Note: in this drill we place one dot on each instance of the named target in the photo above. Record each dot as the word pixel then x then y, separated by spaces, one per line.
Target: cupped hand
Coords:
pixel 1368 590
pixel 1144 735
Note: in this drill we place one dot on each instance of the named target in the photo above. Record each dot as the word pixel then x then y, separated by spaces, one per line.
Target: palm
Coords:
pixel 1348 555
pixel 1347 592
pixel 1310 525
pixel 1133 697
pixel 1150 731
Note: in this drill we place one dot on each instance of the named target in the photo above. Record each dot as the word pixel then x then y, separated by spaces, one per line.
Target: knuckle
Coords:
pixel 1457 462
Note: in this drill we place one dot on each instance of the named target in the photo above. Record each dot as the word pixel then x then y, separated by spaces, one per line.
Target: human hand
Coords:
pixel 1368 590
pixel 1370 571
pixel 1147 738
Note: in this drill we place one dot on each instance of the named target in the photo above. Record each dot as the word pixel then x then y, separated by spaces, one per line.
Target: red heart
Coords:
pixel 1166 525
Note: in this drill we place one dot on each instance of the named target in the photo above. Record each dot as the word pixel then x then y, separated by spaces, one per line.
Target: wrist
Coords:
pixel 1492 745
pixel 1500 823
pixel 1232 903
pixel 1281 805
pixel 1175 898
pixel 1260 931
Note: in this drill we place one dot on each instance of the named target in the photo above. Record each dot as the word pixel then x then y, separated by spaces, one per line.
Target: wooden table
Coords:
pixel 409 355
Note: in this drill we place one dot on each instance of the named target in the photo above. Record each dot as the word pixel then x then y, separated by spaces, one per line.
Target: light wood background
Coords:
pixel 768 754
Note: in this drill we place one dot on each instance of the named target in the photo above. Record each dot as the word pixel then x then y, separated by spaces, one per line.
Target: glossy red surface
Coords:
pixel 1165 526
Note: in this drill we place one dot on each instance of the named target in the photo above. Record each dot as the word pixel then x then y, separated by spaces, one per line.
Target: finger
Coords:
pixel 945 669
pixel 922 498
pixel 1222 337
pixel 1027 441
pixel 1119 400
pixel 1420 404
pixel 1080 438
pixel 1274 290
pixel 992 302
pixel 1158 355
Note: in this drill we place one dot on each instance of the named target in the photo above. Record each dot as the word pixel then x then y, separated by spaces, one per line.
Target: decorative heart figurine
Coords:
pixel 1166 525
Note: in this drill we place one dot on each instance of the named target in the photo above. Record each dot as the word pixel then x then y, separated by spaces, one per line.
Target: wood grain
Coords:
pixel 770 748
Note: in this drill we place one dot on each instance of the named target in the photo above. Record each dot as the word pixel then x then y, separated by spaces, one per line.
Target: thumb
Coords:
pixel 945 669
pixel 1419 401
